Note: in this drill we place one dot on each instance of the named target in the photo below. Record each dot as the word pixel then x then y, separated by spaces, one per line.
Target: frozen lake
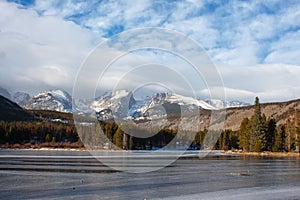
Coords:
pixel 31 174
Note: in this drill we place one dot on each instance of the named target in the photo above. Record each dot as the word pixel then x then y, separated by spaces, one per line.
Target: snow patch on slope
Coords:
pixel 21 98
pixel 56 100
pixel 183 100
pixel 122 104
pixel 219 104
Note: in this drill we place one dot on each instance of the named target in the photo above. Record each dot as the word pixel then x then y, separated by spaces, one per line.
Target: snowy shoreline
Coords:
pixel 270 154
pixel 241 153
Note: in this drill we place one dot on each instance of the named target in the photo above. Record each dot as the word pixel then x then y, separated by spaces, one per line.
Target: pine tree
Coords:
pixel 258 129
pixel 48 138
pixel 199 138
pixel 297 137
pixel 224 141
pixel 280 139
pixel 263 132
pixel 290 131
pixel 244 134
pixel 118 138
pixel 271 133
pixel 131 143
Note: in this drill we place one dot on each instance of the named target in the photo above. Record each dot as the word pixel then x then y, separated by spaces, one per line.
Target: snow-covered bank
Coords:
pixel 266 153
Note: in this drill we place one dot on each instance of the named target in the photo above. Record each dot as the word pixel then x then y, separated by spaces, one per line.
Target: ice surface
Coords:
pixel 38 174
pixel 272 193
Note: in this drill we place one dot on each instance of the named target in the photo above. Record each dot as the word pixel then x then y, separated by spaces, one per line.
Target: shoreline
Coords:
pixel 45 149
pixel 266 153
pixel 241 153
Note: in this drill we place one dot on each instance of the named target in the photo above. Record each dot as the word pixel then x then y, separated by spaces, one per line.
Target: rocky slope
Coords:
pixel 160 110
pixel 121 104
pixel 10 111
pixel 226 104
pixel 55 100
pixel 165 110
pixel 280 111
pixel 5 93
pixel 21 98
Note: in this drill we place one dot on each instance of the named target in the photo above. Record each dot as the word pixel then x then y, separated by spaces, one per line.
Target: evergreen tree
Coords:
pixel 290 130
pixel 48 138
pixel 131 143
pixel 199 138
pixel 244 134
pixel 271 133
pixel 110 130
pixel 280 139
pixel 118 138
pixel 297 131
pixel 258 129
pixel 233 140
pixel 225 140
pixel 297 137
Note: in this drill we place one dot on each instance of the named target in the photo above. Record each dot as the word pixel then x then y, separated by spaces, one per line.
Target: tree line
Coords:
pixel 37 133
pixel 112 136
pixel 257 133
pixel 260 133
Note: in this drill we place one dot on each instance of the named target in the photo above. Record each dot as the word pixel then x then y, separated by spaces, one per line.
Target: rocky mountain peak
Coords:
pixel 57 100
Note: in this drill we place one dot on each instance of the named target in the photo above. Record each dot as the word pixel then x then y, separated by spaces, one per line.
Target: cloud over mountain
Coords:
pixel 255 45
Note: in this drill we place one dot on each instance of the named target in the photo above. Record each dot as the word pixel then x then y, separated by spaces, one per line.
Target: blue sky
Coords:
pixel 254 44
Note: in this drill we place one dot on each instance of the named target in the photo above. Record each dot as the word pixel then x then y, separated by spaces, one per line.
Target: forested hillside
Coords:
pixel 262 127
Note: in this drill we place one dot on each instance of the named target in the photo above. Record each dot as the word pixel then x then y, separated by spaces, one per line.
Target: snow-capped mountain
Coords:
pixel 163 104
pixel 122 104
pixel 21 98
pixel 82 106
pixel 236 103
pixel 226 104
pixel 116 102
pixel 183 100
pixel 56 100
pixel 140 107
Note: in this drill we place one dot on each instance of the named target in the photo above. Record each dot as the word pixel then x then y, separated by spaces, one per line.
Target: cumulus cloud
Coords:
pixel 271 82
pixel 230 93
pixel 254 44
pixel 237 33
pixel 286 49
pixel 39 51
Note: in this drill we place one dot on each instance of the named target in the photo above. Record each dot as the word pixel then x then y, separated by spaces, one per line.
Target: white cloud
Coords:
pixel 235 33
pixel 230 93
pixel 286 49
pixel 263 26
pixel 45 50
pixel 255 45
pixel 48 75
pixel 290 17
pixel 265 80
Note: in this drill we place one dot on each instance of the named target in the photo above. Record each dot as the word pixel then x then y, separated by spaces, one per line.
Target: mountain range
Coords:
pixel 122 104
pixel 56 100
pixel 280 111
pixel 162 108
pixel 61 101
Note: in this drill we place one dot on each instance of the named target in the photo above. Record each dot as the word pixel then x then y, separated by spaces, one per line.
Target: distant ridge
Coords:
pixel 10 111
pixel 55 100
pixel 280 111
pixel 4 93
